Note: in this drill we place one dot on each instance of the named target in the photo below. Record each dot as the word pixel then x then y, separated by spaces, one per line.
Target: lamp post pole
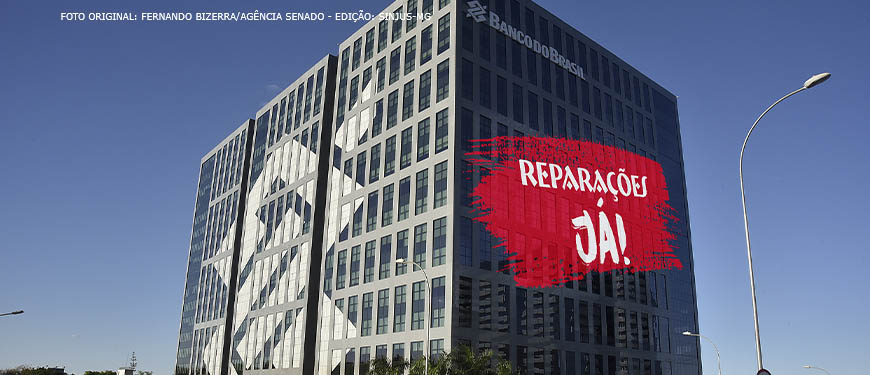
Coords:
pixel 716 348
pixel 813 81
pixel 13 313
pixel 425 321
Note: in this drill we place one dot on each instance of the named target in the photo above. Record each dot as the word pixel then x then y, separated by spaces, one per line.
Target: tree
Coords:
pixel 384 366
pixel 105 372
pixel 461 361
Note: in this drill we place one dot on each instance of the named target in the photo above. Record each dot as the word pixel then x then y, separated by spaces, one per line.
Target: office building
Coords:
pixel 373 169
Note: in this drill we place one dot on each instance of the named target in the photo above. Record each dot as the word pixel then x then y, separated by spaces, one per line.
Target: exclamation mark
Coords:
pixel 620 235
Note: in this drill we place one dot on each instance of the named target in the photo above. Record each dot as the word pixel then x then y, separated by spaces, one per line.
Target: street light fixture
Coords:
pixel 13 313
pixel 817 368
pixel 812 82
pixel 716 348
pixel 425 321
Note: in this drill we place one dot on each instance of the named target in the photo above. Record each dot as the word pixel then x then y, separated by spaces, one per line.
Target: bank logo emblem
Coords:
pixel 476 11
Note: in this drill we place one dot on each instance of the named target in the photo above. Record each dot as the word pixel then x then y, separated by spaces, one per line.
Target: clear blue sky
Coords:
pixel 103 126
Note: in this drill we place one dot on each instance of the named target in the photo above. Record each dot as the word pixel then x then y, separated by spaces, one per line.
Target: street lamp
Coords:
pixel 812 82
pixel 817 368
pixel 13 313
pixel 716 348
pixel 425 321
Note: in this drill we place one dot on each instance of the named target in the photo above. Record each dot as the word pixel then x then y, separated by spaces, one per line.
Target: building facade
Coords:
pixel 374 169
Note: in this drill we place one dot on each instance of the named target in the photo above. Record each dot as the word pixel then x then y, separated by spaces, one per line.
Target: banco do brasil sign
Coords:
pixel 479 13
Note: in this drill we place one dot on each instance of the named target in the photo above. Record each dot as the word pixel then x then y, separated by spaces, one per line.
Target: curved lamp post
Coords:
pixel 13 313
pixel 812 82
pixel 817 368
pixel 425 321
pixel 718 358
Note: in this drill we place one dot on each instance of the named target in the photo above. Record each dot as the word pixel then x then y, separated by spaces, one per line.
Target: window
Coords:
pixel 423 139
pixel 501 95
pixel 354 92
pixel 342 269
pixel 366 329
pixel 420 245
pixel 383 312
pixel 372 217
pixel 399 309
pixel 397 25
pixel 522 312
pixel 441 130
pixel 404 198
pixel 392 109
pixel 443 84
pixel 369 274
pixel 464 306
pixel 547 111
pixel 386 259
pixel 357 219
pixel 387 209
pixel 439 241
pixel 485 96
pixel 425 89
pixel 412 10
pixel 444 33
pixel 465 239
pixel 395 56
pixel 382 35
pixel 357 49
pixel 437 317
pixel 370 44
pixel 501 50
pixel 418 301
pixel 361 169
pixel 354 265
pixel 402 252
pixel 422 194
pixel 518 103
pixel 405 153
pixel 440 184
pixel 378 118
pixel 408 100
pixel 426 45
pixel 467 80
pixel 533 111
pixel 382 73
pixel 375 163
pixel 390 156
pixel 410 54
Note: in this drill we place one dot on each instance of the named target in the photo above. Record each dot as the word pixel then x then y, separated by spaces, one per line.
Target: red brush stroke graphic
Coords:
pixel 543 227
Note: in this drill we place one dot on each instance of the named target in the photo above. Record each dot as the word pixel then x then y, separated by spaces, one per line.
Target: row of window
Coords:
pixel 536 314
pixel 371 254
pixel 278 278
pixel 368 207
pixel 286 217
pixel 271 341
pixel 293 161
pixel 595 66
pixel 191 298
pixel 228 165
pixel 542 115
pixel 349 362
pixel 395 30
pixel 308 100
pixel 406 150
pixel 359 136
pixel 212 292
pixel 362 313
pixel 206 353
pixel 221 217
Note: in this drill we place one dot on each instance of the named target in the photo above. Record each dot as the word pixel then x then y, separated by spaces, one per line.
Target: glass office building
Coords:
pixel 361 161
